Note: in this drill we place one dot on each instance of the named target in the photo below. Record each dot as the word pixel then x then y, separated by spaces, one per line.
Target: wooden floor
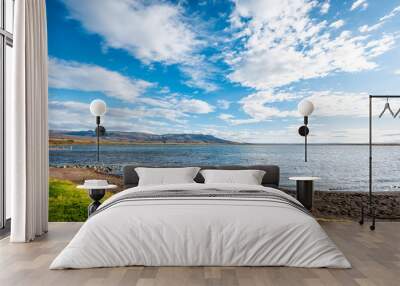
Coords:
pixel 375 257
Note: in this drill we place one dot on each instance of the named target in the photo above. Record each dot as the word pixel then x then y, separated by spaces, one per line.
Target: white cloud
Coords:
pixel 282 44
pixel 92 78
pixel 359 4
pixel 397 72
pixel 327 104
pixel 179 102
pixel 125 113
pixel 325 7
pixel 345 104
pixel 86 77
pixel 194 106
pixel 381 22
pixel 76 115
pixel 225 116
pixel 333 104
pixel 151 31
pixel 223 104
pixel 70 116
pixel 260 106
pixel 200 75
pixel 378 47
pixel 165 90
pixel 241 121
pixel 282 135
pixel 183 107
pixel 257 105
pixel 392 14
pixel 368 29
pixel 337 24
pixel 73 115
pixel 230 119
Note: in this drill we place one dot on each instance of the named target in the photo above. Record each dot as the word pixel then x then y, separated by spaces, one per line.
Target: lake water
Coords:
pixel 341 167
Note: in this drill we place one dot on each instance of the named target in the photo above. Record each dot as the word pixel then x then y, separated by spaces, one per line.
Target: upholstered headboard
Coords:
pixel 271 177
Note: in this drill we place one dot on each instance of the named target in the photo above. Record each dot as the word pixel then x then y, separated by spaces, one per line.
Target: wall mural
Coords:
pixel 188 82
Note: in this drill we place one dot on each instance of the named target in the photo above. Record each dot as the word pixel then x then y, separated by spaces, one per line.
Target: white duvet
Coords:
pixel 193 231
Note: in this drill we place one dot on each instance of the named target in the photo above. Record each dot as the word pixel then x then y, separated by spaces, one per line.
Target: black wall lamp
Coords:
pixel 98 108
pixel 305 108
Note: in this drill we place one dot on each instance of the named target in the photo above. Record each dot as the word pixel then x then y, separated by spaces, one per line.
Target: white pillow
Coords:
pixel 248 177
pixel 166 176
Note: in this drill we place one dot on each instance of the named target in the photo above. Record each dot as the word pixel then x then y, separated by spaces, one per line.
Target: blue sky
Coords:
pixel 234 69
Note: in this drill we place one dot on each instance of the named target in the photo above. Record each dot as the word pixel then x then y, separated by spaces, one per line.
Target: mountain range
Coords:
pixel 115 137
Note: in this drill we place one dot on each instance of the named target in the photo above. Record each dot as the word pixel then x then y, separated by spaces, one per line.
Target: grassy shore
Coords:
pixel 66 202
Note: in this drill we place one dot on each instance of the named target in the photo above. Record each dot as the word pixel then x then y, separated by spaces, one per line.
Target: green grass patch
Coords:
pixel 66 202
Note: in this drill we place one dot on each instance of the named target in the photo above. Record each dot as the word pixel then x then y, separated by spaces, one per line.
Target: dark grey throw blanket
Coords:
pixel 204 193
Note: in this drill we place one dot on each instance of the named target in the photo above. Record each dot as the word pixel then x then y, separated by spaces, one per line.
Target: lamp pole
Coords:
pixel 98 108
pixel 305 148
pixel 305 108
pixel 98 137
pixel 305 138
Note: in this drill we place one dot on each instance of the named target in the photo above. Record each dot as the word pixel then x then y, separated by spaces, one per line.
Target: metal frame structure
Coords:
pixel 6 39
pixel 371 207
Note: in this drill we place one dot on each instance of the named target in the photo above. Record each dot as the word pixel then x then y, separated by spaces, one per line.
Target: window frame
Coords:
pixel 6 39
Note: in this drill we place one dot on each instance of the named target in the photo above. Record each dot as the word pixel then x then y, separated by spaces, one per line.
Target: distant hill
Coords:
pixel 120 137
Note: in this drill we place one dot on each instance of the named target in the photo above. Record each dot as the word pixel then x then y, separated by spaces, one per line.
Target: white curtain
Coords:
pixel 27 151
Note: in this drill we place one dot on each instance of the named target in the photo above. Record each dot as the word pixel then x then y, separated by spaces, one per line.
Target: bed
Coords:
pixel 199 224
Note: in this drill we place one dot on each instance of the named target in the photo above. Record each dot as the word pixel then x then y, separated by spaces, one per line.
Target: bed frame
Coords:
pixel 270 179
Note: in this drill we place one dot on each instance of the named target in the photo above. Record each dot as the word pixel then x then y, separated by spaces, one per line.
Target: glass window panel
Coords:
pixel 1 13
pixel 8 69
pixel 9 15
pixel 2 197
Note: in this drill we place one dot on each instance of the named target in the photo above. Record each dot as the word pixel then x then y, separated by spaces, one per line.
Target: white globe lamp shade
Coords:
pixel 305 107
pixel 98 107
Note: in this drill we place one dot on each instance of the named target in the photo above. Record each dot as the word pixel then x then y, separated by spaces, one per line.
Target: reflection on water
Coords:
pixel 341 167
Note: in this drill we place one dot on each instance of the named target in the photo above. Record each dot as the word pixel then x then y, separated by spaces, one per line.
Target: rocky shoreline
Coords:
pixel 106 169
pixel 327 204
pixel 345 204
